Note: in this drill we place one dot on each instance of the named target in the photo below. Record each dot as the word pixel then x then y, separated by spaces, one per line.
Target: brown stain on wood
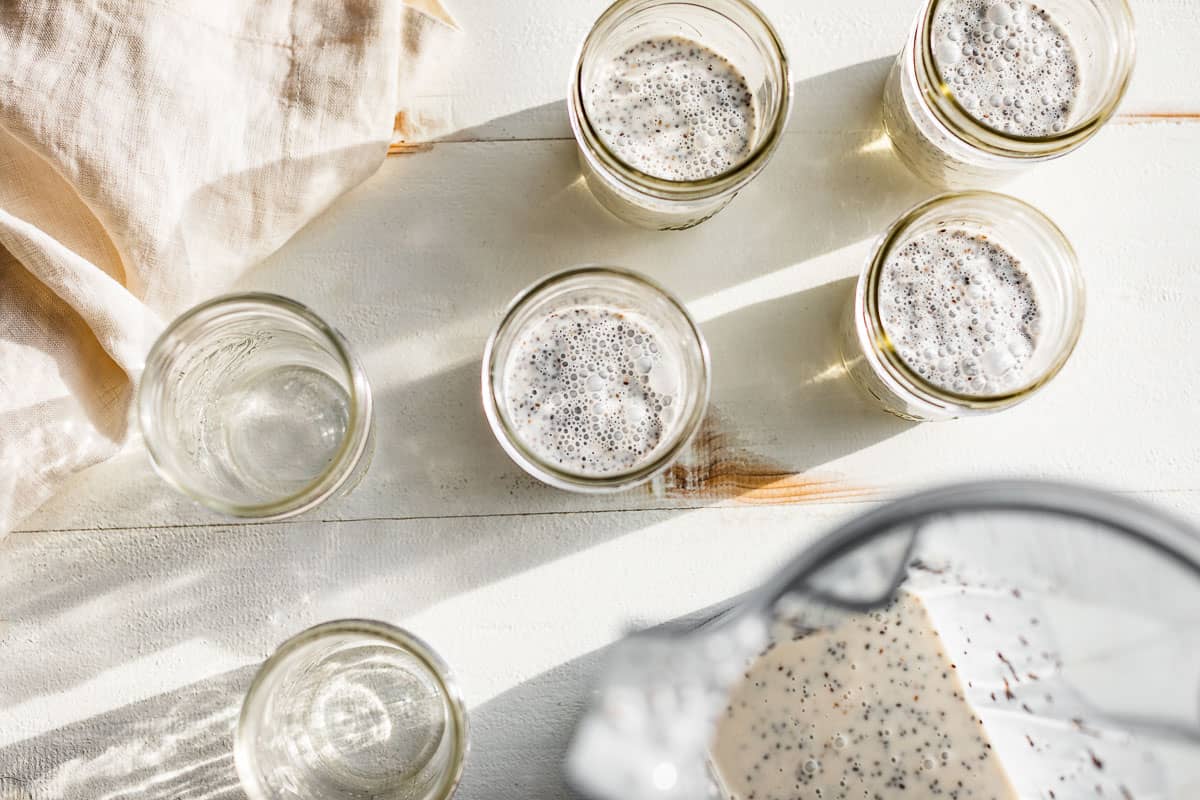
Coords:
pixel 404 148
pixel 1158 116
pixel 402 130
pixel 715 467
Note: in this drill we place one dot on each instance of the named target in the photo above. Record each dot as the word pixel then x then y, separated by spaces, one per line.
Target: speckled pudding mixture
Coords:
pixel 674 109
pixel 871 709
pixel 1008 63
pixel 960 312
pixel 592 390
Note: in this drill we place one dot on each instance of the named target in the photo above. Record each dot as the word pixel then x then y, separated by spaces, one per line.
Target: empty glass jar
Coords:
pixel 255 407
pixel 349 710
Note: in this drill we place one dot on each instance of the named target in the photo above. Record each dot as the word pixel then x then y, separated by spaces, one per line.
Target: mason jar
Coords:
pixel 735 30
pixel 254 406
pixel 596 380
pixel 352 709
pixel 871 355
pixel 943 142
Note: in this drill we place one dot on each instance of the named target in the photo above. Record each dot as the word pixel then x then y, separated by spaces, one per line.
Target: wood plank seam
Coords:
pixel 849 497
pixel 402 148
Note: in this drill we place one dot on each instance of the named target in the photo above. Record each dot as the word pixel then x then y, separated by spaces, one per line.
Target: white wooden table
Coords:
pixel 131 621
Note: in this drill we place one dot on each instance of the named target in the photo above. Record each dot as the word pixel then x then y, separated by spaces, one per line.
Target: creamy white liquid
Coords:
pixel 592 390
pixel 960 312
pixel 1009 63
pixel 872 708
pixel 674 109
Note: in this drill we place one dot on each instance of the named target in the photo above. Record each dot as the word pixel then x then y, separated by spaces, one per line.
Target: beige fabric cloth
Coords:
pixel 150 152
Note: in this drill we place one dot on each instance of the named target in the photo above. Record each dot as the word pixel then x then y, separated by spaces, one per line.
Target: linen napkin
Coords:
pixel 149 153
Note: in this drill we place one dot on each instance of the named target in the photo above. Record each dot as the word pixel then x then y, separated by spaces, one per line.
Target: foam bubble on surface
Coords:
pixel 592 390
pixel 672 108
pixel 961 312
pixel 1009 63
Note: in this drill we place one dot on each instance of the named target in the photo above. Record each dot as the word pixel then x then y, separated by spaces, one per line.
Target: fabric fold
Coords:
pixel 149 154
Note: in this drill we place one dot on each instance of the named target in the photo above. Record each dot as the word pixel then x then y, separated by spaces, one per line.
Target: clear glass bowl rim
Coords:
pixel 1161 532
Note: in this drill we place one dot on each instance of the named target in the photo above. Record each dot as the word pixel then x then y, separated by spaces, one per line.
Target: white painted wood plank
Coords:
pixel 127 653
pixel 416 266
pixel 515 65
pixel 144 641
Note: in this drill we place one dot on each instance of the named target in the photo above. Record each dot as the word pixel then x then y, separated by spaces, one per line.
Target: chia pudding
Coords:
pixel 960 311
pixel 872 708
pixel 674 109
pixel 1008 63
pixel 593 390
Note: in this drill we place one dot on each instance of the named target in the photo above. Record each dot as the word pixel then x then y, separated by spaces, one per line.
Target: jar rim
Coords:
pixel 1164 533
pixel 952 115
pixel 883 345
pixel 344 462
pixel 550 473
pixel 406 641
pixel 662 188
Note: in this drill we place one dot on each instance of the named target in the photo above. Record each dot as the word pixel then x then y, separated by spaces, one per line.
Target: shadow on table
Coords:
pixel 85 603
pixel 781 411
pixel 521 737
pixel 507 214
pixel 179 744
pixel 519 214
pixel 176 745
pixel 843 185
pixel 91 601
pixel 775 367
pixel 794 399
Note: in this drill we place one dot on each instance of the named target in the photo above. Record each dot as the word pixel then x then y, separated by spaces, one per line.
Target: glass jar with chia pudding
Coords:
pixel 596 380
pixel 971 303
pixel 984 88
pixel 676 106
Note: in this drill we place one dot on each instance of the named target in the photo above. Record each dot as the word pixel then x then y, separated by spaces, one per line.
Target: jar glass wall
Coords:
pixel 352 709
pixel 596 380
pixel 255 407
pixel 735 31
pixel 1042 254
pixel 945 139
